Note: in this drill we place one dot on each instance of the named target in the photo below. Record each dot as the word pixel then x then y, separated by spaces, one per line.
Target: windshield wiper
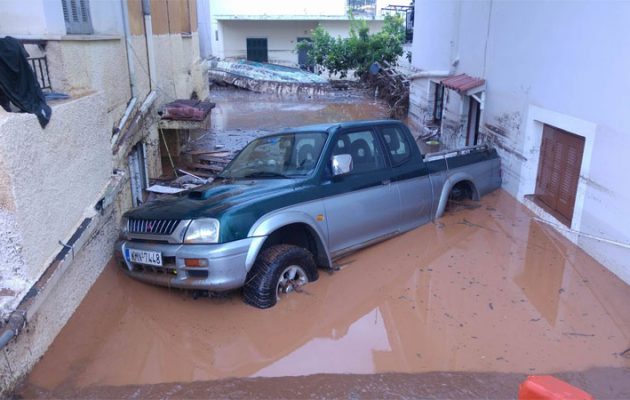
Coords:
pixel 265 174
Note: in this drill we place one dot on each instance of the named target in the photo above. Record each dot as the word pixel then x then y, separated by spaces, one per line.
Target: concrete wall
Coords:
pixel 281 36
pixel 278 8
pixel 81 66
pixel 229 23
pixel 52 179
pixel 545 63
pixel 56 174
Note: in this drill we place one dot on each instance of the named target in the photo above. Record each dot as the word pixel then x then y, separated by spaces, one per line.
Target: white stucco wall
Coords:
pixel 57 174
pixel 434 33
pixel 278 8
pixel 281 36
pixel 288 20
pixel 44 17
pixel 556 63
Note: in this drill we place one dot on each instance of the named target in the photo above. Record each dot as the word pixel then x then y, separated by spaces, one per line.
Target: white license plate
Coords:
pixel 144 257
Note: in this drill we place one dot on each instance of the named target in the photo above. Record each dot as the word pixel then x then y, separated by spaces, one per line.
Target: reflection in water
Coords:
pixel 355 351
pixel 543 271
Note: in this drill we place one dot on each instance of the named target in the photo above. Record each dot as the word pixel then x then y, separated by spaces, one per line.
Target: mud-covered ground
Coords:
pixel 465 307
pixel 482 292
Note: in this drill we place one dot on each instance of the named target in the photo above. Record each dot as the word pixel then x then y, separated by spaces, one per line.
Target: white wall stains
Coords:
pixel 544 63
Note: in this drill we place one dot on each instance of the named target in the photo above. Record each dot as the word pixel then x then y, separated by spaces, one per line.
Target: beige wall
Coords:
pixel 81 66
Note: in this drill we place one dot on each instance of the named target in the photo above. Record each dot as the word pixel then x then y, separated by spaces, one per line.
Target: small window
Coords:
pixel 363 147
pixel 76 14
pixel 396 144
pixel 438 102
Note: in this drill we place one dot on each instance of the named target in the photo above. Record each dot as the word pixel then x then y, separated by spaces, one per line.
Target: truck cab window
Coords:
pixel 364 149
pixel 396 144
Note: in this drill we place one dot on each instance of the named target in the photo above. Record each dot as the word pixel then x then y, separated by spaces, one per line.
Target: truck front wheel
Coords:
pixel 278 271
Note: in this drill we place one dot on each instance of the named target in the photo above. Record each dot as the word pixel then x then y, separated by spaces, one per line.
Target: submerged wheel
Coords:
pixel 278 271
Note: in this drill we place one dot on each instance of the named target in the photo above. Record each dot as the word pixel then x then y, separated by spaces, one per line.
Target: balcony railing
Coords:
pixel 40 68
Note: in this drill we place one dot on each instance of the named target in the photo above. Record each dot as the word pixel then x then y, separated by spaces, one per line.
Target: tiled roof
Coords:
pixel 462 83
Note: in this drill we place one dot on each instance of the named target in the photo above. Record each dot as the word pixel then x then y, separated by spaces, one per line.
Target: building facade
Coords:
pixel 63 188
pixel 544 83
pixel 270 31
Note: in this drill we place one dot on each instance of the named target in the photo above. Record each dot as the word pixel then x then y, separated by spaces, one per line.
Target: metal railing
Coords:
pixel 40 68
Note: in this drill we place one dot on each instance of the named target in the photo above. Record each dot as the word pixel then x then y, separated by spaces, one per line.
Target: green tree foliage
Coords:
pixel 358 51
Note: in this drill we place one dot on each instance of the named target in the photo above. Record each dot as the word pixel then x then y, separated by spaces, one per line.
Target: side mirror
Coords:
pixel 341 164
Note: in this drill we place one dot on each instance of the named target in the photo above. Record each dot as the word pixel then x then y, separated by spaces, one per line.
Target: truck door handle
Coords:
pixel 386 181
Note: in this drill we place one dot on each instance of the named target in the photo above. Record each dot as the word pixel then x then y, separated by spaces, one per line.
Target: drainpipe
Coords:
pixel 148 27
pixel 13 327
pixel 132 71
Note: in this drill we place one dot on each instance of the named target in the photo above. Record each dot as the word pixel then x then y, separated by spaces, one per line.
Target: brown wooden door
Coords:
pixel 559 171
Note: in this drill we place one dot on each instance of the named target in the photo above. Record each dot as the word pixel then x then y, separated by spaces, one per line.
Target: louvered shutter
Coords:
pixel 559 170
pixel 573 148
pixel 76 13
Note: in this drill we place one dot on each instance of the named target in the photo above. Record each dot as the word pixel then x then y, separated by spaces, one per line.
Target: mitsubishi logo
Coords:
pixel 149 226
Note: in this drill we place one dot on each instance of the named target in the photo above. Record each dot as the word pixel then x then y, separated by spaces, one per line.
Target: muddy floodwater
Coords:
pixel 484 290
pixel 240 116
pixel 463 307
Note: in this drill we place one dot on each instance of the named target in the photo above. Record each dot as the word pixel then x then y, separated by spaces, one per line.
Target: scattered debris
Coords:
pixel 392 86
pixel 161 189
pixel 208 163
pixel 267 78
pixel 188 110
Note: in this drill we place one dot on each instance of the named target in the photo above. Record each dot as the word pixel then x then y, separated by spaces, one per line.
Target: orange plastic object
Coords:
pixel 547 387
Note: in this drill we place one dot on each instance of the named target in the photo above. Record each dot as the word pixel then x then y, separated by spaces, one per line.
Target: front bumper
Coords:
pixel 226 268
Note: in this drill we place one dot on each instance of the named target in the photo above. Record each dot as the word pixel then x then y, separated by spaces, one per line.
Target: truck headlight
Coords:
pixel 202 230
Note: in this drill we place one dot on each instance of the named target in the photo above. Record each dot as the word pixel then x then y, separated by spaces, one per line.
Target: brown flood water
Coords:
pixel 484 290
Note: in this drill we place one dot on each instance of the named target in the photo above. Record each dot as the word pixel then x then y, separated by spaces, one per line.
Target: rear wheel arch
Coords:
pixel 460 182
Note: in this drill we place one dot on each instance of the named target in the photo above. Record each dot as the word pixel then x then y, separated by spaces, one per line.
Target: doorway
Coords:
pixel 304 61
pixel 257 49
pixel 472 128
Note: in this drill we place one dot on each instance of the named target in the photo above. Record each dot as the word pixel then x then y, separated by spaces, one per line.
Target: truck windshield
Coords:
pixel 286 155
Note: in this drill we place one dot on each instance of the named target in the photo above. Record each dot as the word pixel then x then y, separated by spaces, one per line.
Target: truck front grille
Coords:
pixel 153 226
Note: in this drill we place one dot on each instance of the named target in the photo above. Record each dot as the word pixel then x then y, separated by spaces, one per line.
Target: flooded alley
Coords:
pixel 484 290
pixel 466 306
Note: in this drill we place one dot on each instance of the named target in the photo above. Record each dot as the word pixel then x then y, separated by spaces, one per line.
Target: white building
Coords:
pixel 547 83
pixel 269 31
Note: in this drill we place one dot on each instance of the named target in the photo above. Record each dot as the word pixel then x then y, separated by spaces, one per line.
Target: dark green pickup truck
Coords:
pixel 293 201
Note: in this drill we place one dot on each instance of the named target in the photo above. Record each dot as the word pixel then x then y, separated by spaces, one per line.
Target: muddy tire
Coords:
pixel 277 271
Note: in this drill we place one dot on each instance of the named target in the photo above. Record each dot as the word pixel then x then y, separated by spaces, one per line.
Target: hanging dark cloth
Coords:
pixel 18 83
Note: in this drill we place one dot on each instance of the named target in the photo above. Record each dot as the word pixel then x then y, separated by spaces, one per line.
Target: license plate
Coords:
pixel 144 257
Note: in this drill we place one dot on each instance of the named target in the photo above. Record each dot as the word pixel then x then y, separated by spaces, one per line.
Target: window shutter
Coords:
pixel 76 13
pixel 559 170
